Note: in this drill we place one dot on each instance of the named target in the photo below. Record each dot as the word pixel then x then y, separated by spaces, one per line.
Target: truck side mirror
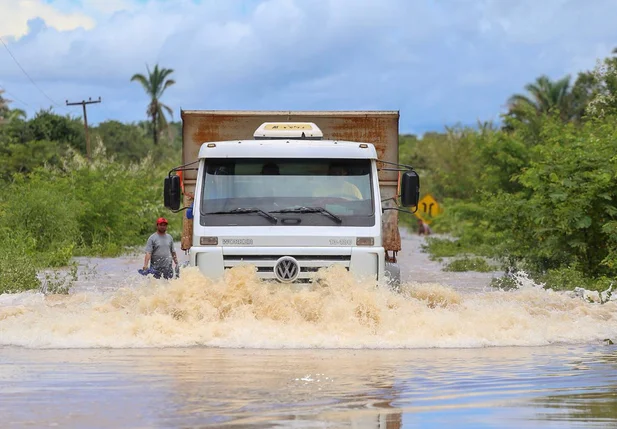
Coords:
pixel 410 189
pixel 171 192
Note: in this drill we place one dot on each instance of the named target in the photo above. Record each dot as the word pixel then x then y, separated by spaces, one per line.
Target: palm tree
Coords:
pixel 155 84
pixel 544 96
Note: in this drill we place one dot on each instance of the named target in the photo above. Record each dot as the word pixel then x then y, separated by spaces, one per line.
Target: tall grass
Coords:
pixel 52 214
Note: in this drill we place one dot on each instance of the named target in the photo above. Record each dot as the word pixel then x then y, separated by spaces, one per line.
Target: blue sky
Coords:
pixel 440 62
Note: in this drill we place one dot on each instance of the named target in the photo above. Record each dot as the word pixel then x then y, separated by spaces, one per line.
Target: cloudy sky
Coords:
pixel 440 62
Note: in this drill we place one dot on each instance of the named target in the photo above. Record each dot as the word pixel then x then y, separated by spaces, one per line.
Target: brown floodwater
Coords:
pixel 122 350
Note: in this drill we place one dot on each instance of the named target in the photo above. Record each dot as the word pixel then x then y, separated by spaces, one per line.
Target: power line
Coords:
pixel 26 73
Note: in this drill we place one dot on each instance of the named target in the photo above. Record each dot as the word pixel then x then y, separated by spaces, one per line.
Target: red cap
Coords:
pixel 161 220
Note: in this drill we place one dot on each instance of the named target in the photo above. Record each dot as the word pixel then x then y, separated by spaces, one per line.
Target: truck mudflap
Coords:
pixel 187 233
pixel 389 221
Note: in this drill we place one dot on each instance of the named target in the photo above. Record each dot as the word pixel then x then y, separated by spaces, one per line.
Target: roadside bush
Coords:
pixel 18 263
pixel 98 209
pixel 547 201
pixel 59 282
pixel 469 264
pixel 118 204
pixel 17 273
pixel 42 207
pixel 55 205
pixel 568 278
pixel 442 247
pixel 563 216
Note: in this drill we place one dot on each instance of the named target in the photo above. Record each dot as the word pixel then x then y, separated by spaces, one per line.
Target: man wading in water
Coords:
pixel 160 252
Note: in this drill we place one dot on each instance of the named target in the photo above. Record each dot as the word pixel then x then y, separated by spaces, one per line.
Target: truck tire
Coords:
pixel 393 275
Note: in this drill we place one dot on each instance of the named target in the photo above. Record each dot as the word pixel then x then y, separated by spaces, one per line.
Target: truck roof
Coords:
pixel 287 148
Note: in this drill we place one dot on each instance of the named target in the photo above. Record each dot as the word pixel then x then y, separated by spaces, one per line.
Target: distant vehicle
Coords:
pixel 292 192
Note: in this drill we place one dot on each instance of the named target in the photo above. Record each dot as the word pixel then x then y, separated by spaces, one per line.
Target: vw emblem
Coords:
pixel 286 269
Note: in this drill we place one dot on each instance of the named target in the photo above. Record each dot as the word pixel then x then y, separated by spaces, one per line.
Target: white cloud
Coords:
pixel 447 61
pixel 15 14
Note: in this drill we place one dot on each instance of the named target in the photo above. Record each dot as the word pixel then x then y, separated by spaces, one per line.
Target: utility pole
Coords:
pixel 83 105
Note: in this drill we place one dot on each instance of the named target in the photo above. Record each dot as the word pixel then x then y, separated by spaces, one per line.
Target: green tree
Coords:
pixel 15 114
pixel 603 89
pixel 572 199
pixel 6 113
pixel 549 206
pixel 585 88
pixel 47 125
pixel 544 96
pixel 25 157
pixel 4 104
pixel 4 108
pixel 42 140
pixel 126 141
pixel 155 85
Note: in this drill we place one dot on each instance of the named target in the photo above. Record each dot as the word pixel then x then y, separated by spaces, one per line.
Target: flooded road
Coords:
pixel 123 351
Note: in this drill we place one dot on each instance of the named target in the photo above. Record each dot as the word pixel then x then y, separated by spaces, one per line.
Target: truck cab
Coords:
pixel 289 202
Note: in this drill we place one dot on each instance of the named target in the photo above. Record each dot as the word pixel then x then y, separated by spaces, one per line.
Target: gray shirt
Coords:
pixel 161 248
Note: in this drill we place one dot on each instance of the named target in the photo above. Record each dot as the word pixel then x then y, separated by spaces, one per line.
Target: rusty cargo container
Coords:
pixel 379 128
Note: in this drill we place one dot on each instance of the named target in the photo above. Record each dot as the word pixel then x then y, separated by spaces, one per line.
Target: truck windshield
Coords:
pixel 287 187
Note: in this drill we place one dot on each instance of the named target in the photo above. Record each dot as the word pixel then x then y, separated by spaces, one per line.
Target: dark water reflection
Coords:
pixel 591 398
pixel 562 386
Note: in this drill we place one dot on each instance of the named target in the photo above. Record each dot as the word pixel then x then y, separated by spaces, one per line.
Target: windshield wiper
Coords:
pixel 310 210
pixel 241 210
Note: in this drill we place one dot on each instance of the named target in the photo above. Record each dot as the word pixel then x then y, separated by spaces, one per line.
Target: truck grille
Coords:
pixel 281 267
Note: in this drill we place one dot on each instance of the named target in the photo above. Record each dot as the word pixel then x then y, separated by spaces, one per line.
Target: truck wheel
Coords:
pixel 393 275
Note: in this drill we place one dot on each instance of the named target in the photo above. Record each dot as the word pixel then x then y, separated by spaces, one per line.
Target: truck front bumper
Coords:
pixel 280 263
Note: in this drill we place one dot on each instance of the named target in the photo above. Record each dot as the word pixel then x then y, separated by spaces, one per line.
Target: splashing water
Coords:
pixel 240 311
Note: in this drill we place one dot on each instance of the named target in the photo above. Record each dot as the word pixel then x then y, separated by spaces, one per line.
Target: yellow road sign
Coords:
pixel 428 208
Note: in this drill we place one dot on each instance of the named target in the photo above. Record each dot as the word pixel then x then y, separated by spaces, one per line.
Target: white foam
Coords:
pixel 244 312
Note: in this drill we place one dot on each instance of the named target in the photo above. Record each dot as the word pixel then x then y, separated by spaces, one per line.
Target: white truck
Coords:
pixel 290 192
